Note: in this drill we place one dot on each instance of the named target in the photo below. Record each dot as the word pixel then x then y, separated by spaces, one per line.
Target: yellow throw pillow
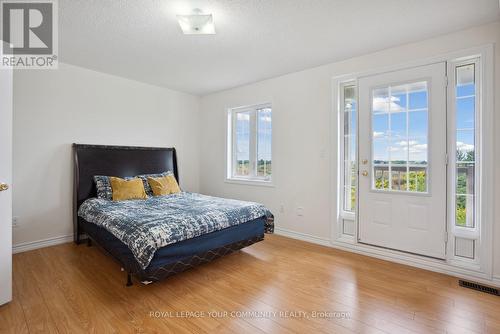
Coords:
pixel 127 189
pixel 165 185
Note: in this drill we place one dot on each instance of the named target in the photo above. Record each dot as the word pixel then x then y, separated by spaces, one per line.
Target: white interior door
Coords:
pixel 402 154
pixel 5 181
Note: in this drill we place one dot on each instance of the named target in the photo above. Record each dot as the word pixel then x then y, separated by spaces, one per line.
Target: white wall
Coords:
pixel 302 155
pixel 54 108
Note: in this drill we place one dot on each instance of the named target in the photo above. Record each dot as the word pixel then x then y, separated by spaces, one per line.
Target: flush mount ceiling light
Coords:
pixel 197 23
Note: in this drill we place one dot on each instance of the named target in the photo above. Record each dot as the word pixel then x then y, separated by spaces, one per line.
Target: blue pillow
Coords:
pixel 103 187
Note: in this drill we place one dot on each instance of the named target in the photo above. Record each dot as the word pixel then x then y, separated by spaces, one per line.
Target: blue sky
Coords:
pixel 396 143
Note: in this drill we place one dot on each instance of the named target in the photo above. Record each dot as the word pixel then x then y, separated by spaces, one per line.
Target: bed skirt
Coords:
pixel 178 257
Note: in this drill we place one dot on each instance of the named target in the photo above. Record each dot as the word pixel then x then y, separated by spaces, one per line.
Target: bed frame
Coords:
pixel 122 161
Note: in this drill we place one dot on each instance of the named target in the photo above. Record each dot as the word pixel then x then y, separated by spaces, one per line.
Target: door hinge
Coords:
pixel 445 237
pixel 446 80
pixel 446 159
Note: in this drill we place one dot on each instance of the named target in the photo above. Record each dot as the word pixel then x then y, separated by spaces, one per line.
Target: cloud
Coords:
pixel 463 147
pixel 406 143
pixel 412 146
pixel 419 148
pixel 377 134
pixel 382 104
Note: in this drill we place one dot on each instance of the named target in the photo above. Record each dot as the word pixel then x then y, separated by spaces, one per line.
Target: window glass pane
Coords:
pixel 419 124
pixel 399 177
pixel 380 103
pixel 242 142
pixel 349 147
pixel 264 135
pixel 399 137
pixel 398 99
pixel 465 77
pixel 417 179
pixel 380 125
pixel 398 152
pixel 465 107
pixel 465 90
pixel 380 151
pixel 465 145
pixel 418 96
pixel 465 112
pixel 381 177
pixel 380 163
pixel 398 125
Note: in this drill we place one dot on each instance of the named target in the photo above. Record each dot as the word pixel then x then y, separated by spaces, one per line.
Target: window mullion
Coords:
pixel 234 145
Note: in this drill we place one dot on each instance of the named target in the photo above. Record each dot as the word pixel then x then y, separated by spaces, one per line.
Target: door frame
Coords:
pixel 6 240
pixel 481 271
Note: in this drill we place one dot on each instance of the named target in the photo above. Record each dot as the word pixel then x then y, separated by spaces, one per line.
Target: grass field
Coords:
pixel 264 168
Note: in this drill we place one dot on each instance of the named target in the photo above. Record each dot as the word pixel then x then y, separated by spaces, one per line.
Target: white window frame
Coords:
pixel 469 233
pixel 346 221
pixel 349 215
pixel 252 178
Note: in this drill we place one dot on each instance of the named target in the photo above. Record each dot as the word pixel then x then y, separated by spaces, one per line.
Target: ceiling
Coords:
pixel 255 40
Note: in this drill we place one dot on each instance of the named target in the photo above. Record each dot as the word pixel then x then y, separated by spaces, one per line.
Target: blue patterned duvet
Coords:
pixel 147 225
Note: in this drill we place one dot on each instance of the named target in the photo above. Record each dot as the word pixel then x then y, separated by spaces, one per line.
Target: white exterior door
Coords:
pixel 5 181
pixel 402 160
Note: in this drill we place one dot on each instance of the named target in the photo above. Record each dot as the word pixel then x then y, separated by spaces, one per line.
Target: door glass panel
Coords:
pixel 400 137
pixel 350 125
pixel 465 164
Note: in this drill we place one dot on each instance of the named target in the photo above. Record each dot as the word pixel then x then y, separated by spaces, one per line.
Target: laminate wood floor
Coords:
pixel 276 286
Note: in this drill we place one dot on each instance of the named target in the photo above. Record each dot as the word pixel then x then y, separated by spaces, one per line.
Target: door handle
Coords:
pixel 364 173
pixel 4 186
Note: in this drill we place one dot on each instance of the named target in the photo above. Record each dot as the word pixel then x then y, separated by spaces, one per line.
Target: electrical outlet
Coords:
pixel 282 208
pixel 15 221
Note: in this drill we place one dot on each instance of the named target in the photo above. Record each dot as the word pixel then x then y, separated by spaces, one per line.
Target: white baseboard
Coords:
pixel 442 268
pixel 31 245
pixel 394 256
pixel 302 236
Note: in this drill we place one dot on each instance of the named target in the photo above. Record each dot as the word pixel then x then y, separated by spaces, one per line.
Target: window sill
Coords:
pixel 250 182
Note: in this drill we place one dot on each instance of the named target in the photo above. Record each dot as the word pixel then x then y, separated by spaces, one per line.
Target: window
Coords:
pixel 250 143
pixel 399 137
pixel 348 108
pixel 465 143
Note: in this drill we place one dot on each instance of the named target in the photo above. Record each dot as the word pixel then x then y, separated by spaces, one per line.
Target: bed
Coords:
pixel 160 236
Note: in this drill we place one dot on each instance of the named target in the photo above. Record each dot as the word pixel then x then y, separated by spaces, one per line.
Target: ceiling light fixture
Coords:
pixel 197 23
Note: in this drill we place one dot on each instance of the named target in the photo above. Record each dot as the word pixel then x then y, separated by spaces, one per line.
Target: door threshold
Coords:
pixel 402 251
